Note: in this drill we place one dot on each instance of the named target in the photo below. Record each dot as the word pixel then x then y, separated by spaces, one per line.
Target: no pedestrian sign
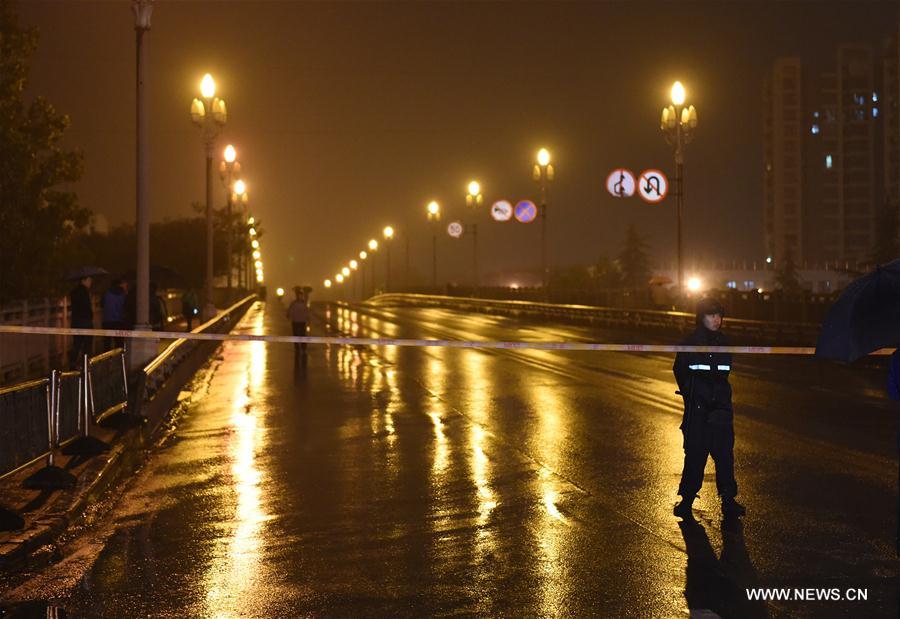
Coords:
pixel 526 211
pixel 653 186
pixel 620 183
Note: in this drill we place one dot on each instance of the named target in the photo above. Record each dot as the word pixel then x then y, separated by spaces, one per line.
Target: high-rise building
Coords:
pixel 783 152
pixel 888 105
pixel 825 158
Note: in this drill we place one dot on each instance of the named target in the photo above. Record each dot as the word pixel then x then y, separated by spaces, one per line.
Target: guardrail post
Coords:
pixel 86 445
pixel 51 477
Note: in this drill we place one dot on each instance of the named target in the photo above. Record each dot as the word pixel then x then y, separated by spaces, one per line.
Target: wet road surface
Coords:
pixel 399 481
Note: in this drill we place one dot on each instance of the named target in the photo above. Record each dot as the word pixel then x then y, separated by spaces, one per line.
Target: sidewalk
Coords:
pixel 48 513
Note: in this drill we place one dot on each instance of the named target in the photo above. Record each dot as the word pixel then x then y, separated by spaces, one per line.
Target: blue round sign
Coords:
pixel 526 211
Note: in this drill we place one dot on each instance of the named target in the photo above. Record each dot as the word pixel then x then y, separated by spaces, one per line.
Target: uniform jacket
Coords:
pixel 703 379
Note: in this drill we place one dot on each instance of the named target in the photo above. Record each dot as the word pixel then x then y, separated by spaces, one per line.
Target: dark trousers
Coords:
pixel 708 439
pixel 81 345
pixel 299 329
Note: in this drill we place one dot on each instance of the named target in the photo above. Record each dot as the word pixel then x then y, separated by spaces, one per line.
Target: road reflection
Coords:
pixel 237 568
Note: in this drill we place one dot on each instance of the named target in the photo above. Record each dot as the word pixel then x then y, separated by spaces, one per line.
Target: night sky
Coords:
pixel 348 117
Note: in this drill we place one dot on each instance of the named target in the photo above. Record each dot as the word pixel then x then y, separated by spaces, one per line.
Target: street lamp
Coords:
pixel 434 216
pixel 388 233
pixel 543 173
pixel 142 350
pixel 373 247
pixel 208 112
pixel 677 124
pixel 229 171
pixel 327 283
pixel 362 256
pixel 474 199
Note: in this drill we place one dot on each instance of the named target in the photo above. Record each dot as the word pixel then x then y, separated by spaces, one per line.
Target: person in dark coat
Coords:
pixel 708 423
pixel 113 305
pixel 82 318
pixel 298 314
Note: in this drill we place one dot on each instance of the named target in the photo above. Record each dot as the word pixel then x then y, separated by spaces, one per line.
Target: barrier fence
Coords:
pixel 761 330
pixel 40 417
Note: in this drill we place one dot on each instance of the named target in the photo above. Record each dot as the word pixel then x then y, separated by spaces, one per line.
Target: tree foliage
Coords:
pixel 786 276
pixel 634 260
pixel 38 216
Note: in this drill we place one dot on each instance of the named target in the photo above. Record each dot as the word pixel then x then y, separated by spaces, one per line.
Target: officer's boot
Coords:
pixel 731 508
pixel 683 509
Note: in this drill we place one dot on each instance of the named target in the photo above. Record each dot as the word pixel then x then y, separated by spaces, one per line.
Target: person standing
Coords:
pixel 190 306
pixel 82 318
pixel 298 314
pixel 708 423
pixel 113 305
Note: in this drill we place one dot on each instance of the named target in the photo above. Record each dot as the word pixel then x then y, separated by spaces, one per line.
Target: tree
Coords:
pixel 886 247
pixel 634 260
pixel 786 277
pixel 606 273
pixel 38 218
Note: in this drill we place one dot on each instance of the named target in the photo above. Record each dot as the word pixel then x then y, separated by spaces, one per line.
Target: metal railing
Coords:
pixel 606 316
pixel 158 371
pixel 40 417
pixel 25 413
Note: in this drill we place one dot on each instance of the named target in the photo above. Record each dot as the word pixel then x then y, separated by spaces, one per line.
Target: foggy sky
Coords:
pixel 348 117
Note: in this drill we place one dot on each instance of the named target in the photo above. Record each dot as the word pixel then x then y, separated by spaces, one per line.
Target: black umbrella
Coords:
pixel 86 271
pixel 865 318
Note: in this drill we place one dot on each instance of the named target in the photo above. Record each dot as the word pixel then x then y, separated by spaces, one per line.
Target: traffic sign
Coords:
pixel 455 229
pixel 526 211
pixel 620 183
pixel 653 186
pixel 501 210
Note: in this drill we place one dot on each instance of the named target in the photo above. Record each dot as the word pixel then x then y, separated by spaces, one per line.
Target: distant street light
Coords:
pixel 434 216
pixel 474 199
pixel 677 124
pixel 327 283
pixel 339 278
pixel 543 173
pixel 362 275
pixel 373 247
pixel 229 171
pixel 209 113
pixel 388 234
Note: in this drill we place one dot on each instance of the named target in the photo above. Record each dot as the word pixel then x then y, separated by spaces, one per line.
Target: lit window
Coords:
pixel 732 284
pixel 814 130
pixel 749 283
pixel 874 112
pixel 829 162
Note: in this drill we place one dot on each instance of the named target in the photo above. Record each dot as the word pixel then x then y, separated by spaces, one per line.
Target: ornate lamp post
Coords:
pixel 208 112
pixel 434 216
pixel 388 233
pixel 229 171
pixel 373 247
pixel 677 124
pixel 543 173
pixel 474 199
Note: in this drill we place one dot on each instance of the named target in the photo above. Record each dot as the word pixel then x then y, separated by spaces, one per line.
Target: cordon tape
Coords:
pixel 363 341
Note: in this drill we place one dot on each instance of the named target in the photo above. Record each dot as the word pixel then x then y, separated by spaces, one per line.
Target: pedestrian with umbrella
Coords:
pixel 82 312
pixel 865 319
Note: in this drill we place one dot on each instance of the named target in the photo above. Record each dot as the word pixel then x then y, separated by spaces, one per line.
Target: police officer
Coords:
pixel 707 425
